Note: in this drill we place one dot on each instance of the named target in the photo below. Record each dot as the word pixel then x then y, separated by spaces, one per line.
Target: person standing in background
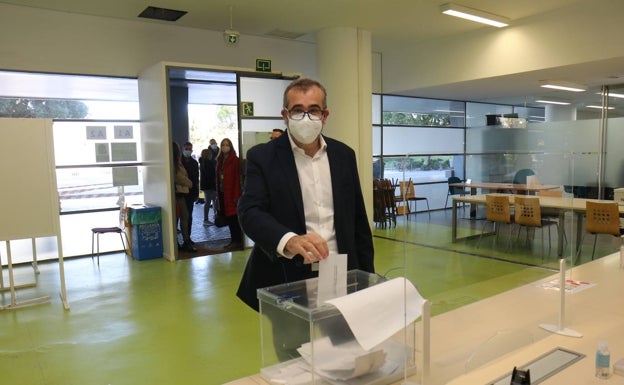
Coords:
pixel 192 170
pixel 276 133
pixel 182 187
pixel 207 182
pixel 229 191
pixel 214 148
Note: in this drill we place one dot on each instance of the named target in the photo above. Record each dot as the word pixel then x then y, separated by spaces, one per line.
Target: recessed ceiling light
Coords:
pixel 474 15
pixel 560 103
pixel 563 85
pixel 613 95
pixel 600 107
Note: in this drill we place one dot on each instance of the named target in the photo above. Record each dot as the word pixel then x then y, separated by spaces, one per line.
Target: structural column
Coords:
pixel 344 62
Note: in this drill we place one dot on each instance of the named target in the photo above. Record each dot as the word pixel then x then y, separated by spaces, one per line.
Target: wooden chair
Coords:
pixel 601 218
pixel 497 212
pixel 384 207
pixel 528 214
pixel 407 195
pixel 96 231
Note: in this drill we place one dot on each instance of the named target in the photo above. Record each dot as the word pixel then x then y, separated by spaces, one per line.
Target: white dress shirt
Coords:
pixel 318 200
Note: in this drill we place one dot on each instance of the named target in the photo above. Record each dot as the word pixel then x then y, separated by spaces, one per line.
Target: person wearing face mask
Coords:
pixel 229 191
pixel 192 170
pixel 214 148
pixel 301 199
pixel 182 186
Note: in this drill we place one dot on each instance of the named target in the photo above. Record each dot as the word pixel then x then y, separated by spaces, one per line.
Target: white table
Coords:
pixel 597 313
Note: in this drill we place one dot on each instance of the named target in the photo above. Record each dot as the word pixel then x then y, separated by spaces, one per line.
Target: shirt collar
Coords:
pixel 296 148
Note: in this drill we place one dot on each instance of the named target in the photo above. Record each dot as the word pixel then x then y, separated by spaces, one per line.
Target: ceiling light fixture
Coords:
pixel 545 101
pixel 563 85
pixel 613 95
pixel 474 15
pixel 599 107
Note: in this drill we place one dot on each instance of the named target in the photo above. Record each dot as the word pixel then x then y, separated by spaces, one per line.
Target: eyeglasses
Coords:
pixel 298 114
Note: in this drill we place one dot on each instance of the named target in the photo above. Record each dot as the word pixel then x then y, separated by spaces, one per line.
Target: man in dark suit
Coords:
pixel 302 199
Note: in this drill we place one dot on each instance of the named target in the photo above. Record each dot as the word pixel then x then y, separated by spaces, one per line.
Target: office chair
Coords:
pixel 521 176
pixel 452 190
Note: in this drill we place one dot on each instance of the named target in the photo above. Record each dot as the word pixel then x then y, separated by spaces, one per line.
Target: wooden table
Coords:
pixel 562 205
pixel 596 312
pixel 525 189
pixel 491 186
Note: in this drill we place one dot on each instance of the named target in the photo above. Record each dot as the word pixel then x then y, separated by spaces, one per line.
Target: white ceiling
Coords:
pixel 395 22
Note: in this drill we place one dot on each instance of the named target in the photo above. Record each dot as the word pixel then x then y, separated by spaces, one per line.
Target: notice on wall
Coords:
pixel 101 153
pixel 125 176
pixel 123 152
pixel 96 132
pixel 124 132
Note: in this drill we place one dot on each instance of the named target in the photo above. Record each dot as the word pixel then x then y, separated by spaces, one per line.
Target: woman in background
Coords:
pixel 182 187
pixel 229 191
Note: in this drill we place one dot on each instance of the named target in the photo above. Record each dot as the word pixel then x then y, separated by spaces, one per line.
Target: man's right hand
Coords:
pixel 312 247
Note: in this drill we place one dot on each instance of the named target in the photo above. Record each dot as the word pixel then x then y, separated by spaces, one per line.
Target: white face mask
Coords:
pixel 305 130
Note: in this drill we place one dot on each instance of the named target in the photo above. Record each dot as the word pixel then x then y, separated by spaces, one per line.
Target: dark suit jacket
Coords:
pixel 272 205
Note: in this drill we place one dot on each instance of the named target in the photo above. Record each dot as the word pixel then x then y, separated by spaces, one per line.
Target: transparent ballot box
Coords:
pixel 305 340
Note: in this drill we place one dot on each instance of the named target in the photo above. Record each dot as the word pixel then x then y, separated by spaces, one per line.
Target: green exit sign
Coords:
pixel 248 108
pixel 263 65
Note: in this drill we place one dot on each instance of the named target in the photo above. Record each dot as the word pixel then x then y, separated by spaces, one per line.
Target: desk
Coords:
pixel 473 186
pixel 596 312
pixel 499 187
pixel 563 205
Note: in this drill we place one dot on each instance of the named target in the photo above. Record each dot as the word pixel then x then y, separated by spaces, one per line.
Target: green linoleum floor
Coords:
pixel 157 322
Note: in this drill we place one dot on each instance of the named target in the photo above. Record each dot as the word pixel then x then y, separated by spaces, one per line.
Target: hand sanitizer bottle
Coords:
pixel 603 361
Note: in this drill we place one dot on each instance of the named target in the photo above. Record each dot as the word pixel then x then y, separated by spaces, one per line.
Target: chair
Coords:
pixel 384 206
pixel 521 176
pixel 407 195
pixel 528 214
pixel 96 231
pixel 497 211
pixel 452 190
pixel 553 214
pixel 601 218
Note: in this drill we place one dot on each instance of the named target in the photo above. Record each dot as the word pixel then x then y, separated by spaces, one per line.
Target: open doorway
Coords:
pixel 204 110
pixel 208 122
pixel 206 104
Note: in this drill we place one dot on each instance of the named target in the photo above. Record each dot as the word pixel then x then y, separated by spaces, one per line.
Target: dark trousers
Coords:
pixel 236 234
pixel 190 203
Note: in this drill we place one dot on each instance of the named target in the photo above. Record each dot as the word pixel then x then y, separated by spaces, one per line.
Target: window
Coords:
pixel 97 147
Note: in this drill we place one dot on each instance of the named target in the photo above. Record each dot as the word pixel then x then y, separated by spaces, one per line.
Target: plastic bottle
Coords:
pixel 603 360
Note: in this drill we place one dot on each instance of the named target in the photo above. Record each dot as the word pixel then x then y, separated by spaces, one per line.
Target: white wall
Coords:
pixel 46 41
pixel 585 32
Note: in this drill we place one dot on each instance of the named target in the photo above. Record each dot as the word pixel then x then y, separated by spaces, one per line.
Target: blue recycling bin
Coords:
pixel 146 236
